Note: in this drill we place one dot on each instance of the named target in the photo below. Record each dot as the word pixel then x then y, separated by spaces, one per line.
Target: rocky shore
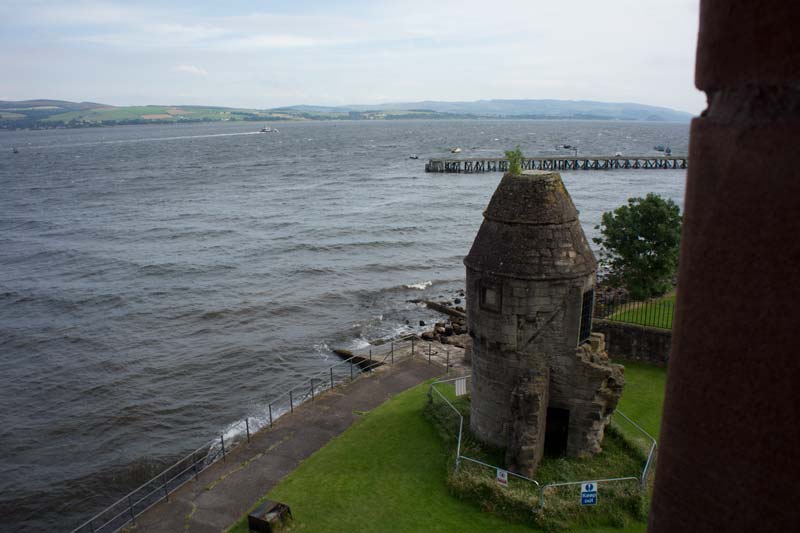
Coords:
pixel 452 330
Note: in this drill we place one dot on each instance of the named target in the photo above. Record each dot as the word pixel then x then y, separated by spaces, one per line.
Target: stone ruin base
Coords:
pixel 594 386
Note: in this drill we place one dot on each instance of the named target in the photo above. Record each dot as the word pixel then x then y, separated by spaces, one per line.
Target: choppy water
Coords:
pixel 159 282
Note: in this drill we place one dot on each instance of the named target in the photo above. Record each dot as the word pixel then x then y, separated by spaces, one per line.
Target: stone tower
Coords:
pixel 541 379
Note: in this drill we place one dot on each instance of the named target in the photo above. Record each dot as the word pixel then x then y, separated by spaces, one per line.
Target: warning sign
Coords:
pixel 589 493
pixel 502 477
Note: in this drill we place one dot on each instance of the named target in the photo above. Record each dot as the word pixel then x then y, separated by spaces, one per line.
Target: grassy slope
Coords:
pixel 657 313
pixel 387 473
pixel 136 112
pixel 643 399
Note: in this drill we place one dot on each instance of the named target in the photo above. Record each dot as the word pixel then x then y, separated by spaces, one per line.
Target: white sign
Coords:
pixel 461 386
pixel 502 477
pixel 589 493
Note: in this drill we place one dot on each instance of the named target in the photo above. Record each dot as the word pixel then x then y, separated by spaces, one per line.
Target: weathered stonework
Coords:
pixel 527 273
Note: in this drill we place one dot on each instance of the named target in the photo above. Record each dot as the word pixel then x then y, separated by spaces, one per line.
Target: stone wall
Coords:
pixel 632 342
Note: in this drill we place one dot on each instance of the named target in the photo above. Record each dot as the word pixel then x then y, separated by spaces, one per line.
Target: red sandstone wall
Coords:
pixel 730 451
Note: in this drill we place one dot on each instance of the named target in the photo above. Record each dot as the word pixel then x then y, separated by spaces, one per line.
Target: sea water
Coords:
pixel 158 283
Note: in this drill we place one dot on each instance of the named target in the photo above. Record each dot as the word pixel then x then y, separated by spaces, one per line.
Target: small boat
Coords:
pixel 667 151
pixel 455 150
pixel 659 148
pixel 617 154
pixel 413 156
pixel 267 129
pixel 14 150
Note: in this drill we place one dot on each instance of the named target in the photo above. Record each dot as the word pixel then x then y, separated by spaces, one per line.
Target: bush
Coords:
pixel 514 161
pixel 640 245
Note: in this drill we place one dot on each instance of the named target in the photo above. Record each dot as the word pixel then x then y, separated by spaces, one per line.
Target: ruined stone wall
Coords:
pixel 633 342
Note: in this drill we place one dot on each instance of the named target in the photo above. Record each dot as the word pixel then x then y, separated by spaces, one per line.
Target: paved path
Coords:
pixel 226 490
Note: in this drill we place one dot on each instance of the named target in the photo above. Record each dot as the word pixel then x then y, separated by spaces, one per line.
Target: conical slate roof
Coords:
pixel 531 231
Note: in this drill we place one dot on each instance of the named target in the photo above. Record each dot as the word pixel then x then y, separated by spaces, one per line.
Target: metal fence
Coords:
pixel 654 312
pixel 125 510
pixel 640 435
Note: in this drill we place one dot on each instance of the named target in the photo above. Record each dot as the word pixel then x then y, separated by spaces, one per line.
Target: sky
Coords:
pixel 263 54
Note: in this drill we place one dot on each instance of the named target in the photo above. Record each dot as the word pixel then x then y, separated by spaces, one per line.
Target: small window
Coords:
pixel 586 316
pixel 490 298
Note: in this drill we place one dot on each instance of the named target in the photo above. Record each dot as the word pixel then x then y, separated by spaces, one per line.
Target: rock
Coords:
pixel 459 340
pixel 457 301
pixel 427 335
pixel 460 309
pixel 421 322
pixel 448 330
pixel 439 331
pixel 344 354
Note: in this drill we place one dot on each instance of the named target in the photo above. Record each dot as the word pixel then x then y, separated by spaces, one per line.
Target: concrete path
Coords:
pixel 226 490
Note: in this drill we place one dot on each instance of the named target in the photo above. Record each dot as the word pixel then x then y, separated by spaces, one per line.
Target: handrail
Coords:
pixel 211 456
pixel 642 480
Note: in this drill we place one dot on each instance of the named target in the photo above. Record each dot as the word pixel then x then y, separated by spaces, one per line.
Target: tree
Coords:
pixel 514 161
pixel 640 245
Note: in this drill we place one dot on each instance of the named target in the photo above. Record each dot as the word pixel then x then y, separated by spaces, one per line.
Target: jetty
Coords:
pixel 595 162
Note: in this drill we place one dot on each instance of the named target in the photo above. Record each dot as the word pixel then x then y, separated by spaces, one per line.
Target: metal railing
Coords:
pixel 539 487
pixel 125 510
pixel 654 312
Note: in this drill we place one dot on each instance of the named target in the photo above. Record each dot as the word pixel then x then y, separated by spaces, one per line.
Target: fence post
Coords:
pixel 392 352
pixel 222 440
pixel 370 359
pixel 429 353
pixel 447 369
pixel 270 415
pixel 351 371
pixel 247 427
pixel 194 467
pixel 291 402
pixel 312 389
pixel 164 481
pixel 331 378
pixel 130 507
pixel 412 346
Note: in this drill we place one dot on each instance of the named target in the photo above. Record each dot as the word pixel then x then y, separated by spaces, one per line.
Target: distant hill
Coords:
pixel 63 114
pixel 544 109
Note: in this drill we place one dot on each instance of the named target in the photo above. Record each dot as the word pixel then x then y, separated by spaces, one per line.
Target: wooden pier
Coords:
pixel 602 162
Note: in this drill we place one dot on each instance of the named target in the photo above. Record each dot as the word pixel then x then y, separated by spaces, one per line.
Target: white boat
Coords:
pixel 267 129
pixel 455 150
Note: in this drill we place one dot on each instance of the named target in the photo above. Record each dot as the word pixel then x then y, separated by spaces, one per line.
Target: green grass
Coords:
pixel 643 397
pixel 389 471
pixel 654 313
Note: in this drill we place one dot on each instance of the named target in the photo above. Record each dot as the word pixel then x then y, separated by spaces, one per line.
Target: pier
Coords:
pixel 602 162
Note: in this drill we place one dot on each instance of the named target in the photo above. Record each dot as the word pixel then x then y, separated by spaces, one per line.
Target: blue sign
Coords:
pixel 589 493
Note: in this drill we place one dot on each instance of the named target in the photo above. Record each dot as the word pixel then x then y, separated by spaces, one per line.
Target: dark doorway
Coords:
pixel 556 432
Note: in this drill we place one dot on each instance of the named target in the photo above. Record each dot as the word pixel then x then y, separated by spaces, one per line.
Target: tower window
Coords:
pixel 586 316
pixel 490 298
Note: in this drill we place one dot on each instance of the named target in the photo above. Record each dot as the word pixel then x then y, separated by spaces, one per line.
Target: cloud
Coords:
pixel 191 69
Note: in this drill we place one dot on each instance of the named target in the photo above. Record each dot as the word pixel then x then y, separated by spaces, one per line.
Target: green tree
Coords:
pixel 514 161
pixel 640 244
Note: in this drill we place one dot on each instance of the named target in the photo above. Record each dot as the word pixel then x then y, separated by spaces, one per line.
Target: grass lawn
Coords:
pixel 654 313
pixel 643 397
pixel 388 472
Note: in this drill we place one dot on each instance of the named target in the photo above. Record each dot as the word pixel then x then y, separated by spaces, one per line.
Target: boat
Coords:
pixel 455 150
pixel 667 151
pixel 14 150
pixel 267 129
pixel 659 148
pixel 413 156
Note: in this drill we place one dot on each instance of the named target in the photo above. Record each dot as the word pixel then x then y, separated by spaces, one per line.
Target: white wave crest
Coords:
pixel 419 286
